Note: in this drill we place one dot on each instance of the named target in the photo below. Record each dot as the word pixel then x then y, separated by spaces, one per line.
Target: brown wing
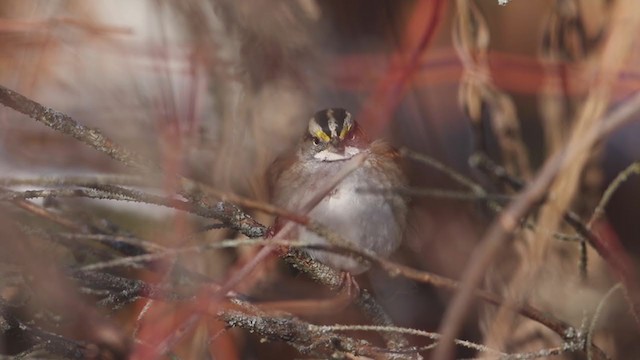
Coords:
pixel 395 167
pixel 383 148
pixel 281 164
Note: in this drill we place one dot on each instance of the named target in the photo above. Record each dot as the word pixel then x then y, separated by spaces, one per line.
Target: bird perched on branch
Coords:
pixel 355 208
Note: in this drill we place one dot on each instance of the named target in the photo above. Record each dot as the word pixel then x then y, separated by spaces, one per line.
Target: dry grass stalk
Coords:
pixel 615 50
pixel 478 94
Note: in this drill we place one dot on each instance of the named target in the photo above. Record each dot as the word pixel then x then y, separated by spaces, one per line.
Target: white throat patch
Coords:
pixel 326 155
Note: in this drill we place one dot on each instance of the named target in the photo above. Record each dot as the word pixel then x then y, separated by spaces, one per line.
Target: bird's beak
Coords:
pixel 336 147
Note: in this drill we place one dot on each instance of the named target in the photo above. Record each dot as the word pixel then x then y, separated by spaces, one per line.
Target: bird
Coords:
pixel 368 220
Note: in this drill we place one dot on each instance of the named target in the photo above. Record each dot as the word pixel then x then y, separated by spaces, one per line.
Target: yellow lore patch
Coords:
pixel 345 131
pixel 322 136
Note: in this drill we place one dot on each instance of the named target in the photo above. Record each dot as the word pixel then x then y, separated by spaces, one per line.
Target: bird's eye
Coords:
pixel 316 141
pixel 351 136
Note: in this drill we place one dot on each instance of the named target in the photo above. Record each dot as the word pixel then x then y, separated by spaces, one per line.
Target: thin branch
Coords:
pixel 596 315
pixel 633 169
pixel 93 137
pixel 82 181
pixel 407 331
pixel 454 175
pixel 436 193
pixel 52 343
pixel 65 124
pixel 478 190
pixel 306 338
pixel 121 291
pixel 489 167
pixel 42 212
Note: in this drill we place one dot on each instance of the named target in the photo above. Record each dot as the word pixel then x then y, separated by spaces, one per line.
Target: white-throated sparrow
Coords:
pixel 366 219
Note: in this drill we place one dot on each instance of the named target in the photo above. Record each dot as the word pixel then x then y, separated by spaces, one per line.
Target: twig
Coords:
pixel 596 315
pixel 41 211
pixel 110 239
pixel 454 175
pixel 121 288
pixel 437 193
pixel 306 338
pixel 52 343
pixel 83 181
pixel 93 137
pixel 478 95
pixel 477 189
pixel 485 164
pixel 65 124
pixel 623 176
pixel 415 332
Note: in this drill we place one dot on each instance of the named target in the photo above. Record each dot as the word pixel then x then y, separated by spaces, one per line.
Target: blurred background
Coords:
pixel 216 89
